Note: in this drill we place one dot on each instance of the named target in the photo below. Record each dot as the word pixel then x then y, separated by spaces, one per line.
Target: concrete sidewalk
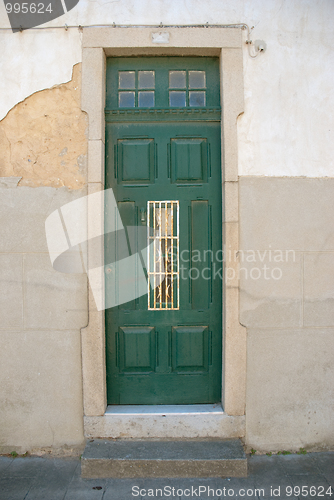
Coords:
pixel 289 476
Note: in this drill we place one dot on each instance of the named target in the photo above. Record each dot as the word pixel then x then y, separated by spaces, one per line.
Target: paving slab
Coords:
pixel 4 463
pixel 21 467
pixel 263 465
pixel 85 489
pixel 14 489
pixel 325 464
pixel 54 482
pixel 311 486
pixel 297 464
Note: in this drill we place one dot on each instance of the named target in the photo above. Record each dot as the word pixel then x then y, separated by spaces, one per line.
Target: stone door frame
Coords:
pixel 225 43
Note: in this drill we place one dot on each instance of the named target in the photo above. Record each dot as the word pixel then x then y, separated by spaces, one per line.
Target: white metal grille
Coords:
pixel 163 255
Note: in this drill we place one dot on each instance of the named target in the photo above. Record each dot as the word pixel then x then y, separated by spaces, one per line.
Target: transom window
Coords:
pixel 136 89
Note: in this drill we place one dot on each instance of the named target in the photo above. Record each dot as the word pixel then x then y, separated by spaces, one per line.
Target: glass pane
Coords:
pixel 163 255
pixel 197 79
pixel 146 79
pixel 126 80
pixel 177 79
pixel 177 99
pixel 196 98
pixel 145 99
pixel 126 99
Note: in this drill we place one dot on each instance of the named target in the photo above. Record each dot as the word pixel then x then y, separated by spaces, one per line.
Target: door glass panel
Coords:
pixel 146 79
pixel 145 99
pixel 197 79
pixel 177 99
pixel 126 99
pixel 196 98
pixel 177 79
pixel 126 80
pixel 163 255
pixel 140 88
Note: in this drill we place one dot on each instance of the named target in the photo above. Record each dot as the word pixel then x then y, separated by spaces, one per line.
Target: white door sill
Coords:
pixel 164 421
pixel 163 409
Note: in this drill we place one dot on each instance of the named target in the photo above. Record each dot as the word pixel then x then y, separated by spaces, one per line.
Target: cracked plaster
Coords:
pixel 43 139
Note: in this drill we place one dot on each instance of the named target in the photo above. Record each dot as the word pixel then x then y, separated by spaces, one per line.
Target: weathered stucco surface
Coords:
pixel 43 139
pixel 33 61
pixel 286 302
pixel 286 129
pixel 41 313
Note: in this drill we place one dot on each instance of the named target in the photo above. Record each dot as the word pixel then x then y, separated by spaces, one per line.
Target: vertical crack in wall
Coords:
pixel 43 138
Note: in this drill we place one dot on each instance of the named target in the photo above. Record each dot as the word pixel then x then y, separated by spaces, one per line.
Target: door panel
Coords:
pixel 190 349
pixel 200 251
pixel 189 160
pixel 135 161
pixel 136 349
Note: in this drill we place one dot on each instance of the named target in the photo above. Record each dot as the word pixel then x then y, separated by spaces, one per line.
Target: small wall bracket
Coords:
pixel 259 45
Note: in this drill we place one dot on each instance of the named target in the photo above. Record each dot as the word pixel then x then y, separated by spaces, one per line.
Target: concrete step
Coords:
pixel 105 458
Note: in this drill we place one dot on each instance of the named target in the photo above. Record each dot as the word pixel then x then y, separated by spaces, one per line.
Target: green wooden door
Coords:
pixel 163 164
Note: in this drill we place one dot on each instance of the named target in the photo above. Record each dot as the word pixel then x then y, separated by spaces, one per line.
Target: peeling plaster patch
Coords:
pixel 9 182
pixel 63 152
pixel 43 139
pixel 35 60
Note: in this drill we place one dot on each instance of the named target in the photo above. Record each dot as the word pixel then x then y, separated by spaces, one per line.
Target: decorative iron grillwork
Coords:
pixel 163 255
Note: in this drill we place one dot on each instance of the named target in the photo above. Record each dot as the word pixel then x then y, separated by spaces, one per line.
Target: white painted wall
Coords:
pixel 287 127
pixel 35 60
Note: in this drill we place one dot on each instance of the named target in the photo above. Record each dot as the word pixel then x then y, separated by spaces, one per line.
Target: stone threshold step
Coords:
pixel 105 458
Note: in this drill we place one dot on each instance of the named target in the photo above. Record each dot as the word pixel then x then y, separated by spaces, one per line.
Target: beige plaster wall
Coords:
pixel 41 313
pixel 43 138
pixel 286 266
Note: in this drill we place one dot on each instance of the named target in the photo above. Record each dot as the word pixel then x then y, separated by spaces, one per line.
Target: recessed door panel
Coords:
pixel 136 349
pixel 136 160
pixel 201 254
pixel 190 349
pixel 189 160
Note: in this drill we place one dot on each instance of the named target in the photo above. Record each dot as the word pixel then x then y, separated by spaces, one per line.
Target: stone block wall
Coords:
pixel 286 266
